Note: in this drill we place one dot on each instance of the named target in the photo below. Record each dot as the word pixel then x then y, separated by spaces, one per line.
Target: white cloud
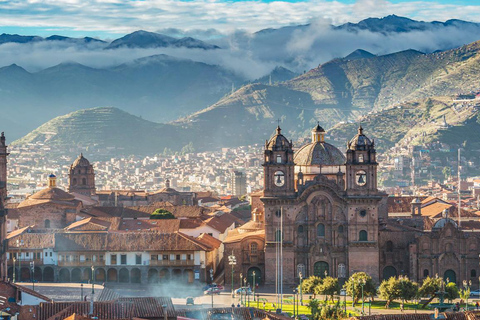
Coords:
pixel 124 16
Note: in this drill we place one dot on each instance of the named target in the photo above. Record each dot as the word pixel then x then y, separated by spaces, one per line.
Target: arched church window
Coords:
pixel 47 223
pixel 425 273
pixel 320 230
pixel 253 248
pixel 74 181
pixel 362 235
pixel 342 271
pixel 473 273
pixel 389 246
pixel 84 181
pixel 300 229
pixel 279 158
pixel 278 213
pixel 340 228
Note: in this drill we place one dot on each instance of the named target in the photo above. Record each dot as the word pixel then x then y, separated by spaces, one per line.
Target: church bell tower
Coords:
pixel 278 167
pixel 3 210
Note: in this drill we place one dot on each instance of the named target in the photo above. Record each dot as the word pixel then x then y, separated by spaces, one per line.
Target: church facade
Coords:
pixel 321 208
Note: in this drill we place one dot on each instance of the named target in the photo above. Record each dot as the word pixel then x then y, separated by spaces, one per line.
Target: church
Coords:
pixel 321 213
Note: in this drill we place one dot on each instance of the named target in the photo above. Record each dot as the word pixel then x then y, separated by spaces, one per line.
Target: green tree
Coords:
pixel 452 291
pixel 188 148
pixel 428 289
pixel 389 290
pixel 162 214
pixel 309 284
pixel 408 289
pixel 314 306
pixel 354 288
pixel 328 287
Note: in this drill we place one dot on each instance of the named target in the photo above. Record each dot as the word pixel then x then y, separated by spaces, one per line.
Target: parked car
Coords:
pixel 190 301
pixel 244 290
pixel 475 293
pixel 211 285
pixel 213 290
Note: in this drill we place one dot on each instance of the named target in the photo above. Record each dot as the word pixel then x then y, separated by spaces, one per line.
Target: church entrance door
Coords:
pixel 258 276
pixel 450 275
pixel 389 272
pixel 320 269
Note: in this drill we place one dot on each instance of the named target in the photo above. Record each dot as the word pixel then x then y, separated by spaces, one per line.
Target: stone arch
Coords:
pixel 135 275
pixel 189 275
pixel 25 274
pixel 153 276
pixel 48 274
pixel 84 181
pixel 87 275
pixel 389 272
pixel 176 274
pixel 123 275
pixel 37 274
pixel 76 275
pixel 112 275
pixel 100 275
pixel 319 269
pixel 258 275
pixel 10 273
pixel 425 273
pixel 164 274
pixel 64 275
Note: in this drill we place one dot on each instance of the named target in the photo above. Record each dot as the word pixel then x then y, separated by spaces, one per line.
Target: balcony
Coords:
pixel 170 263
pixel 25 262
pixel 85 263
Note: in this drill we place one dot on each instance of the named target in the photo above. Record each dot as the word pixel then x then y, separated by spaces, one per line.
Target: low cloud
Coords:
pixel 251 55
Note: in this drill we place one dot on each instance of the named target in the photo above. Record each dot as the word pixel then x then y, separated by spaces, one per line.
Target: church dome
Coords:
pixel 278 141
pixel 443 222
pixel 55 194
pixel 318 152
pixel 81 161
pixel 360 141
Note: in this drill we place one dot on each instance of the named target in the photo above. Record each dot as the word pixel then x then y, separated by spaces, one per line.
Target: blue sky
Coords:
pixel 111 18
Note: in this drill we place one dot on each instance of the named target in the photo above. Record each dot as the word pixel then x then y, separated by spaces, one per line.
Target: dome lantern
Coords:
pixel 318 134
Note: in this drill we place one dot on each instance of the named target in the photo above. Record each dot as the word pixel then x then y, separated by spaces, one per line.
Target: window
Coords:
pixel 46 254
pixel 253 248
pixel 153 257
pixel 113 259
pixel 138 259
pixel 320 230
pixel 340 229
pixel 425 273
pixel 389 246
pixel 473 273
pixel 123 259
pixel 184 257
pixel 362 235
pixel 84 181
pixel 279 159
pixel 300 229
pixel 47 223
pixel 342 271
pixel 278 213
pixel 172 257
pixel 27 254
pixel 82 258
pixel 101 257
pixel 360 158
pixel 177 257
pixel 363 213
pixel 94 258
pixel 189 257
pixel 278 235
pixel 165 257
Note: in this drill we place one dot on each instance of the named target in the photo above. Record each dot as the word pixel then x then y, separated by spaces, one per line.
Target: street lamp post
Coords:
pixel 466 286
pixel 253 285
pixel 14 267
pixel 232 262
pixel 211 281
pixel 301 290
pixel 32 267
pixel 362 284
pixel 247 296
pixel 241 288
pixel 294 293
pixel 81 292
pixel 93 290
pixel 353 293
pixel 343 293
